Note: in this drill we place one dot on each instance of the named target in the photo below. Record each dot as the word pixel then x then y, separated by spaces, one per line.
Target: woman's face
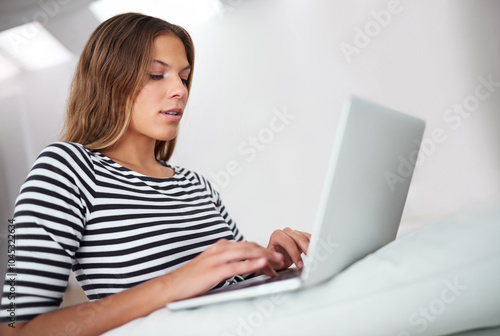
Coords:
pixel 158 108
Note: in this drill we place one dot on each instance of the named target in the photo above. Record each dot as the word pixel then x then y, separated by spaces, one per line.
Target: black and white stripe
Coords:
pixel 113 226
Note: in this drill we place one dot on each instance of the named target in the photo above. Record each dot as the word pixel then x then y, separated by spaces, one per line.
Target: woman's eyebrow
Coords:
pixel 188 67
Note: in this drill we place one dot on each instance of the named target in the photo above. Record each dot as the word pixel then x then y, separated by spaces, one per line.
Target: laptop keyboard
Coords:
pixel 289 273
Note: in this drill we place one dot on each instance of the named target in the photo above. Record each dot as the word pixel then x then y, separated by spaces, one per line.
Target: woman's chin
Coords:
pixel 166 137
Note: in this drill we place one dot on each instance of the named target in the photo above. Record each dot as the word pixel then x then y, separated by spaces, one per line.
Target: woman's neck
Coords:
pixel 138 156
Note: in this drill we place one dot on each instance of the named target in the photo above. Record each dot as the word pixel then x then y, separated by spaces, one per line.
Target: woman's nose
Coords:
pixel 177 89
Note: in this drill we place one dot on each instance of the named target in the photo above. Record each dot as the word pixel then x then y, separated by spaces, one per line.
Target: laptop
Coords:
pixel 364 193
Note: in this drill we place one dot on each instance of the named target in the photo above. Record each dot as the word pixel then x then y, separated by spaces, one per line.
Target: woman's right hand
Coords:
pixel 221 261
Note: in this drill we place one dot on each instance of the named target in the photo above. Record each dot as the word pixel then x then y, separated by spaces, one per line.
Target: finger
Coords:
pixel 300 239
pixel 268 270
pixel 307 234
pixel 243 267
pixel 239 251
pixel 287 244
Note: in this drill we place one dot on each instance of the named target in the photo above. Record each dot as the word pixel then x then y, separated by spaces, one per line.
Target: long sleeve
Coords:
pixel 49 223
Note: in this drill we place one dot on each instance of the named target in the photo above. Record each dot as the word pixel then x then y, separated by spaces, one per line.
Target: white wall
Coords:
pixel 268 55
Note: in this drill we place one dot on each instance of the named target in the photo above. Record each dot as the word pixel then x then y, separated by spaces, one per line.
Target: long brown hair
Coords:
pixel 110 74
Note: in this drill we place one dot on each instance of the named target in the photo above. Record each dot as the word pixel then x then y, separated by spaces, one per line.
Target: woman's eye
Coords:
pixel 156 77
pixel 184 81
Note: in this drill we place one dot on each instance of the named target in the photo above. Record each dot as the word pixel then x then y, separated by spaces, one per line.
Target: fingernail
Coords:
pixel 277 256
pixel 300 264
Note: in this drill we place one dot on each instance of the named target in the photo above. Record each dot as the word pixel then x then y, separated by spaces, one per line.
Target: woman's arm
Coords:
pixel 220 261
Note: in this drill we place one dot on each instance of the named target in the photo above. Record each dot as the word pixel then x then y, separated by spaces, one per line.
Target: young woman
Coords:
pixel 137 232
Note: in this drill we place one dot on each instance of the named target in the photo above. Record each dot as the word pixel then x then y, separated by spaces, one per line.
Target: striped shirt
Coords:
pixel 114 227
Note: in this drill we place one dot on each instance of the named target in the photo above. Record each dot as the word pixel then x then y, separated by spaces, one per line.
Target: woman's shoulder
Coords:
pixel 65 153
pixel 193 176
pixel 62 163
pixel 64 144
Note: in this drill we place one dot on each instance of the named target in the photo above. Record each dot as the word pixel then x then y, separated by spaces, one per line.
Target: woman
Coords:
pixel 137 232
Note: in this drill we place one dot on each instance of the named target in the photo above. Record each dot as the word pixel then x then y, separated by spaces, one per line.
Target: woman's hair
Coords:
pixel 110 74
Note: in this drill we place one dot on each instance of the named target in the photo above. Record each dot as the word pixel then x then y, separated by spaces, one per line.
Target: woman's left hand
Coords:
pixel 291 244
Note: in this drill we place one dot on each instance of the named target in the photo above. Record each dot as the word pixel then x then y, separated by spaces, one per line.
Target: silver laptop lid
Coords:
pixel 365 188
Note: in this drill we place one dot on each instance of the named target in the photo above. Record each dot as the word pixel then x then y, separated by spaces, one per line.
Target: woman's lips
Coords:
pixel 174 114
